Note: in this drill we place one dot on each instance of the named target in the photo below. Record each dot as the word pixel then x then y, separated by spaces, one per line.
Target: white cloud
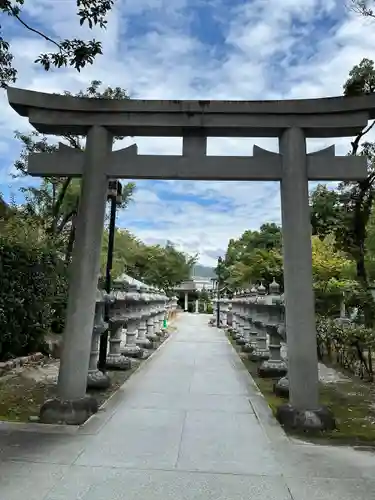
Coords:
pixel 268 50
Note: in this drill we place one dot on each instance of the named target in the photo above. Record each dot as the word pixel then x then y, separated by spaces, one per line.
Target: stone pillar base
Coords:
pixel 146 353
pixel 272 369
pixel 70 412
pixel 133 351
pixel 152 337
pixel 281 388
pixel 98 380
pixel 155 344
pixel 259 355
pixel 118 363
pixel 241 341
pixel 317 420
pixel 237 336
pixel 145 342
pixel 249 348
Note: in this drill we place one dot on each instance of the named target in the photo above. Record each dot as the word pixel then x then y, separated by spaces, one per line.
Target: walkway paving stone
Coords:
pixel 190 425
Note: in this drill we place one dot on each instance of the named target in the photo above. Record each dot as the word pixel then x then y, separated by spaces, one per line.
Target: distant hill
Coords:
pixel 203 271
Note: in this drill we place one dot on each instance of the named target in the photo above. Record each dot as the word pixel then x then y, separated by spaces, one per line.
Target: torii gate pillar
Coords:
pixel 83 283
pixel 299 294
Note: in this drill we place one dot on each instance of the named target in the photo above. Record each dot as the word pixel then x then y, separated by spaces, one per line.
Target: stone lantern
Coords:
pixel 224 310
pixel 133 316
pixel 115 360
pixel 239 316
pixel 275 366
pixel 251 344
pixel 234 313
pixel 96 379
pixel 261 352
pixel 159 313
pixel 144 311
pixel 167 309
pixel 173 309
pixel 281 387
pixel 150 323
pixel 245 337
pixel 163 312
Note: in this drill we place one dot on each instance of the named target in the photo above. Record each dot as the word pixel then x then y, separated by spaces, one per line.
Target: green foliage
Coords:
pixel 255 256
pixel 346 212
pixel 210 309
pixel 30 282
pixel 163 267
pixel 326 211
pixel 68 52
pixel 204 296
pixel 54 203
pixel 351 345
pixel 361 79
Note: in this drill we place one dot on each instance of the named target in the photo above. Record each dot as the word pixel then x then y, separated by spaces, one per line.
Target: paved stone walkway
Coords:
pixel 190 425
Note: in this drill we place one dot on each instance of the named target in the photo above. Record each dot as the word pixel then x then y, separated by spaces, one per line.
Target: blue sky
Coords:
pixel 196 49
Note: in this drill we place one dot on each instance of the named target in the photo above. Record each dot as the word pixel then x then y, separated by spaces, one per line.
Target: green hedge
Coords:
pixel 30 284
pixel 349 345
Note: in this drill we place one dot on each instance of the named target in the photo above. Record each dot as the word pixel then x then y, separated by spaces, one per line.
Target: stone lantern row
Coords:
pixel 256 319
pixel 138 318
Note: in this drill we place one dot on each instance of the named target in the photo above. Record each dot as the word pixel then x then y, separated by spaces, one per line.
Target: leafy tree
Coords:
pixel 326 211
pixel 4 208
pixel 347 211
pixel 204 296
pixel 329 262
pixel 33 285
pixel 370 247
pixel 361 81
pixel 365 8
pixel 333 275
pixel 54 203
pixel 67 52
pixel 126 249
pixel 163 267
pixel 255 256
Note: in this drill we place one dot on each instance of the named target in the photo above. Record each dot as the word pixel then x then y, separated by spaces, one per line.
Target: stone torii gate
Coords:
pixel 290 121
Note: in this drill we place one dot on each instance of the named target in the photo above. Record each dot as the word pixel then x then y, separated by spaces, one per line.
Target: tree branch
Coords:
pixel 361 7
pixel 355 143
pixel 30 28
pixel 59 202
pixel 65 220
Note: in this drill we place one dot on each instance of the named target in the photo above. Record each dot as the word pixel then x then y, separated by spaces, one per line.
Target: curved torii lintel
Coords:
pixel 325 117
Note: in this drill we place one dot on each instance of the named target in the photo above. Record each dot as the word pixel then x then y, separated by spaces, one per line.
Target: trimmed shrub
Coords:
pixel 346 343
pixel 29 286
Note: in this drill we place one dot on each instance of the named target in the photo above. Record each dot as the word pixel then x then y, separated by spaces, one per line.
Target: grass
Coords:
pixel 22 397
pixel 352 402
